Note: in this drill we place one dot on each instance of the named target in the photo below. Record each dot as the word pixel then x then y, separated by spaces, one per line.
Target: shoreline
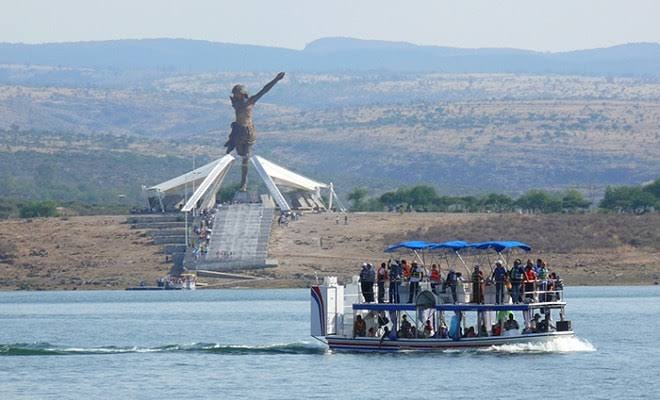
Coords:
pixel 104 253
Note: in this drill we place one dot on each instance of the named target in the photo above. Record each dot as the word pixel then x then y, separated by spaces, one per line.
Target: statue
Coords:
pixel 243 134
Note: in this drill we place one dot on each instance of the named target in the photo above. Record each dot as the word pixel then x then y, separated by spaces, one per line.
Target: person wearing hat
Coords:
pixel 499 276
pixel 243 134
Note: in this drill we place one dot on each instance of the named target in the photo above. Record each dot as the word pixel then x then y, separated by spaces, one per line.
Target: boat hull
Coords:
pixel 363 344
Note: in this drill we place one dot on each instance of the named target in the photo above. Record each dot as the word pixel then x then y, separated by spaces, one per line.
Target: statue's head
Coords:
pixel 239 92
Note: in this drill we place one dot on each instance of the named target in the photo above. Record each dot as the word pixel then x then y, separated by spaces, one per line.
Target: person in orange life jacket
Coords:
pixel 416 275
pixel 530 279
pixel 435 278
pixel 407 270
pixel 381 277
pixel 499 276
pixel 477 285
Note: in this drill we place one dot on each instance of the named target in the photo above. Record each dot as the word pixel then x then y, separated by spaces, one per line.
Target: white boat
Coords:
pixel 433 321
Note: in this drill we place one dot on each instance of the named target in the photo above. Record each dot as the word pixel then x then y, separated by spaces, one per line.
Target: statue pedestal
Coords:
pixel 242 197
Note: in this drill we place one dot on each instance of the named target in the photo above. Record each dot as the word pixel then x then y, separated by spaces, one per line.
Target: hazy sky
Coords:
pixel 548 25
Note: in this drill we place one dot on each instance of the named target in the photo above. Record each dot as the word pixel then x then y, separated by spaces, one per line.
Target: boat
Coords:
pixel 435 320
pixel 185 281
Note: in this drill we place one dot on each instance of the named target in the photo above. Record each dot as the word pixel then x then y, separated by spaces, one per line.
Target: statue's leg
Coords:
pixel 244 172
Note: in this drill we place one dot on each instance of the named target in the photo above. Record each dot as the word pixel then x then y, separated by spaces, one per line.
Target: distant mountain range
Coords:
pixel 333 55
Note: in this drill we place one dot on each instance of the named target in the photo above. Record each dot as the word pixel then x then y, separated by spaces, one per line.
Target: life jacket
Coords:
pixel 517 274
pixel 417 272
pixel 499 274
pixel 435 275
pixel 406 271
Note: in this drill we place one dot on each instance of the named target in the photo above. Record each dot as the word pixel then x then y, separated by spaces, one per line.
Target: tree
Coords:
pixel 573 200
pixel 35 209
pixel 653 188
pixel 358 197
pixel 539 201
pixel 497 202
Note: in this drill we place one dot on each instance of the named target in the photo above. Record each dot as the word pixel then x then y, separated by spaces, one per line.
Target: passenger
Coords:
pixel 455 326
pixel 363 281
pixel 405 331
pixel 407 271
pixel 371 332
pixel 428 329
pixel 497 329
pixel 387 334
pixel 381 277
pixel 499 276
pixel 452 282
pixel 359 327
pixel 442 330
pixel 395 282
pixel 511 323
pixel 483 331
pixel 538 266
pixel 516 276
pixel 530 281
pixel 477 286
pixel 557 284
pixel 543 281
pixel 470 332
pixel 415 277
pixel 546 325
pixel 435 278
pixel 533 324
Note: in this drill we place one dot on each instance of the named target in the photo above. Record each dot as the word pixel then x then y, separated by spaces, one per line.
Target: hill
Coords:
pixel 331 55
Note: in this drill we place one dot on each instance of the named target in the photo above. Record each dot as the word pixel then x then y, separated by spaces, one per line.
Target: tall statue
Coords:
pixel 243 134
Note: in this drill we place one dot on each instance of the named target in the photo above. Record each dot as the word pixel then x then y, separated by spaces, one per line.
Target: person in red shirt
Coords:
pixel 530 280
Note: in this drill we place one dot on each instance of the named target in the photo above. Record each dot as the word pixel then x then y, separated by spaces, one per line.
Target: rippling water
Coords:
pixel 255 343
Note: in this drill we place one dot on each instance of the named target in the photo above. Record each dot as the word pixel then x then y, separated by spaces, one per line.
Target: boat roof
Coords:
pixel 458 307
pixel 411 245
pixel 456 245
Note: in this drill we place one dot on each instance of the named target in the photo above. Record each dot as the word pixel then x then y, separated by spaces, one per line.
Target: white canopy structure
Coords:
pixel 206 180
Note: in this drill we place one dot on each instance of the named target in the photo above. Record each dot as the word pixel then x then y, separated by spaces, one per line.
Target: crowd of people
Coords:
pixel 532 282
pixel 506 325
pixel 202 233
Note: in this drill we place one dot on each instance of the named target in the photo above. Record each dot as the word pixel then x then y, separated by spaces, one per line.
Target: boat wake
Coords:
pixel 47 349
pixel 557 345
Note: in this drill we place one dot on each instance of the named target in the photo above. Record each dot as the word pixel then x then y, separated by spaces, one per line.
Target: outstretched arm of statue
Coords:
pixel 266 88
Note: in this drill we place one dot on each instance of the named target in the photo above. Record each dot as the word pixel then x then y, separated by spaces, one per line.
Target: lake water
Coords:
pixel 255 344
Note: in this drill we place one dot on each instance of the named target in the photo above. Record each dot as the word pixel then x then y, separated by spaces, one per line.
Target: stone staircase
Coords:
pixel 239 239
pixel 165 230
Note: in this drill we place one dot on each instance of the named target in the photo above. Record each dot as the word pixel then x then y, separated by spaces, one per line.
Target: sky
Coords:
pixel 550 25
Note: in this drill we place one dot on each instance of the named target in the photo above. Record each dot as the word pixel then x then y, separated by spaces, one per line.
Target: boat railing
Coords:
pixel 540 291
